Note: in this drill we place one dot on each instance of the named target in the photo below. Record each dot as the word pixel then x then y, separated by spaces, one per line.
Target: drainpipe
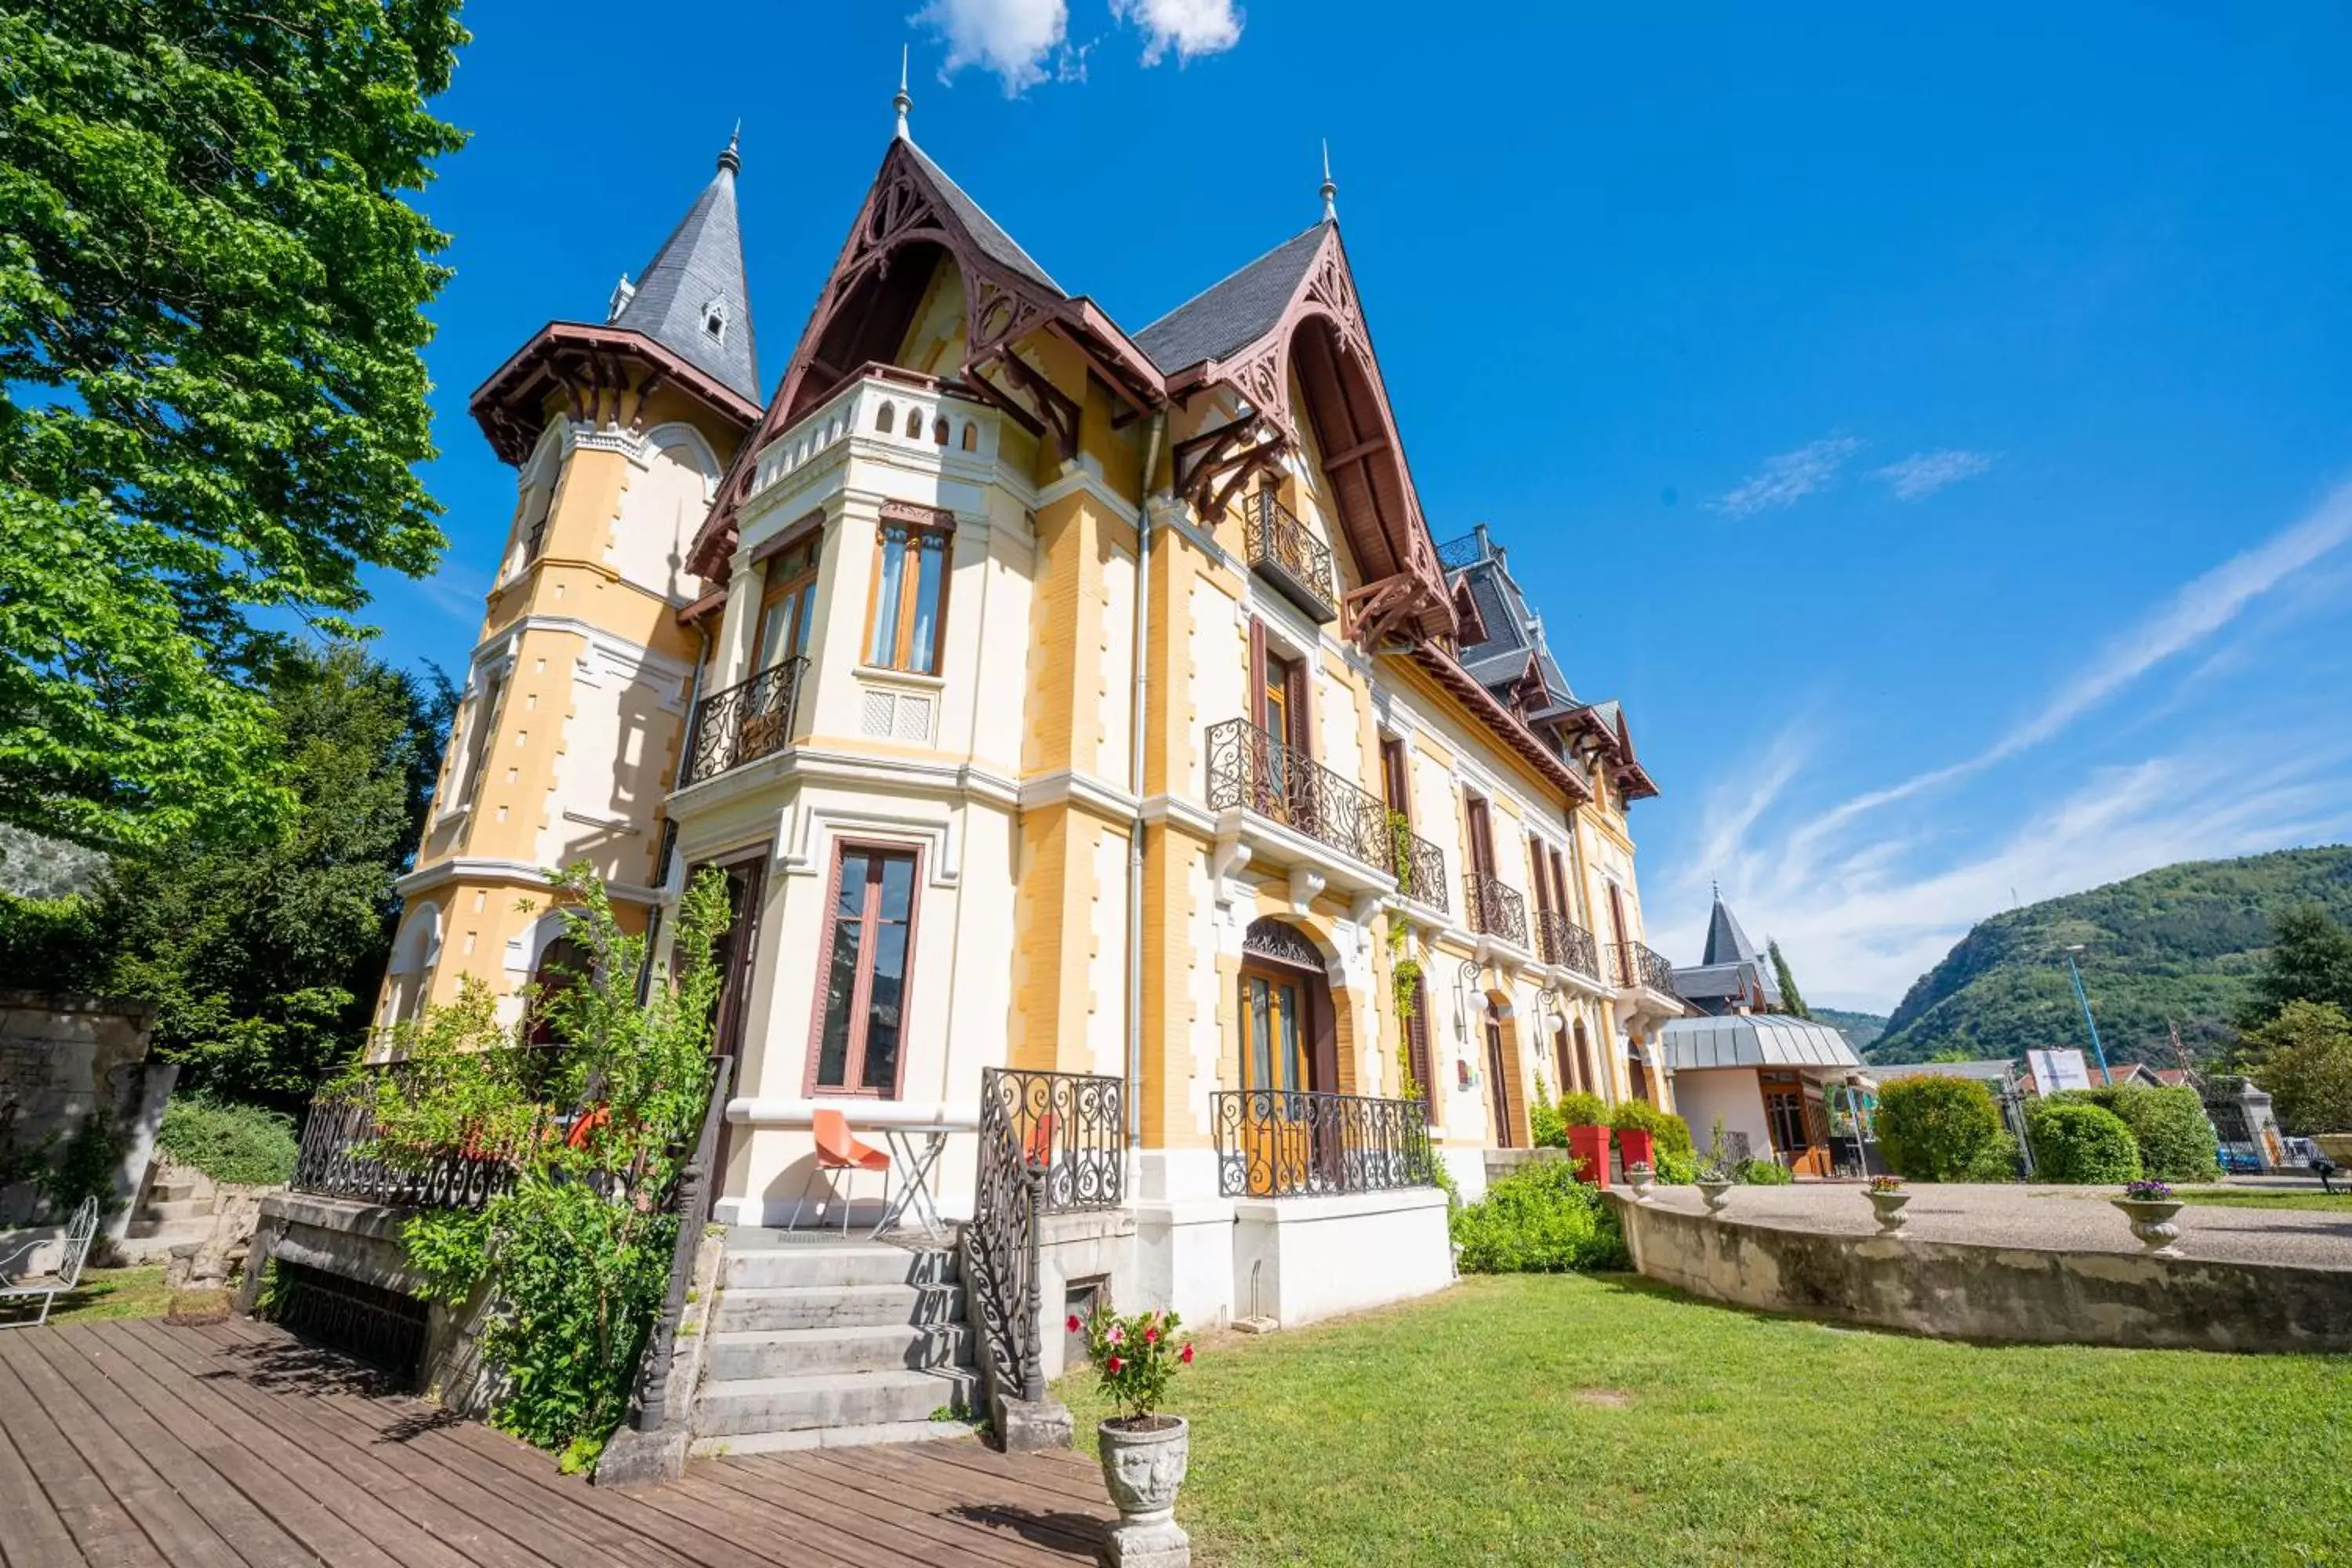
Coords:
pixel 1137 709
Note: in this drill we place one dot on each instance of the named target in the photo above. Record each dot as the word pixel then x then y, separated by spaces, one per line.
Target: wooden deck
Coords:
pixel 136 1443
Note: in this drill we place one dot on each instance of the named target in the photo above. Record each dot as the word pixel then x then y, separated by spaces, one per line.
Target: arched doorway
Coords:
pixel 1288 1056
pixel 1500 1043
pixel 560 967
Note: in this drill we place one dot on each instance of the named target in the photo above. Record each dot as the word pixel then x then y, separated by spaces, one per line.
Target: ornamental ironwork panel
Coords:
pixel 1281 1142
pixel 1419 868
pixel 1495 910
pixel 1280 549
pixel 1072 1128
pixel 1000 1245
pixel 1565 944
pixel 1250 769
pixel 1636 964
pixel 1456 553
pixel 380 1327
pixel 745 723
pixel 1276 938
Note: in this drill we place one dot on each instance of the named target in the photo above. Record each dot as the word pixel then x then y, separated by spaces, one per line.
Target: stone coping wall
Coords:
pixel 1960 1291
pixel 65 1058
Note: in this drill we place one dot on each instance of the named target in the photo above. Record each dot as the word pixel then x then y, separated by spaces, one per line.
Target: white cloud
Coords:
pixel 1789 477
pixel 1191 28
pixel 1922 474
pixel 1026 41
pixel 1010 37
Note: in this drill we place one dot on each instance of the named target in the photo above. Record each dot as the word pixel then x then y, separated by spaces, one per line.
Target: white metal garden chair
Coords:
pixel 16 1287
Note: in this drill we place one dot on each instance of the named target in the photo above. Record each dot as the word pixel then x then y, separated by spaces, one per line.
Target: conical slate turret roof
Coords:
pixel 691 298
pixel 1725 943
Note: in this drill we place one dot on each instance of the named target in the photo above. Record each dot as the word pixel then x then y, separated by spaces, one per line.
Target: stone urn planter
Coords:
pixel 1142 1465
pixel 1643 1180
pixel 1888 1206
pixel 2151 1221
pixel 1717 1195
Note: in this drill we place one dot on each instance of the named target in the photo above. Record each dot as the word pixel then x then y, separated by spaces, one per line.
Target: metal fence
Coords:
pixel 1562 942
pixel 1276 1143
pixel 1279 543
pixel 1493 909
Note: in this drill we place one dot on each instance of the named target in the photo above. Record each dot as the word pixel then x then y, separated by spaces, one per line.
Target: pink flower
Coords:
pixel 1117 1335
pixel 1073 1325
pixel 1150 1333
pixel 1187 1356
pixel 1112 1365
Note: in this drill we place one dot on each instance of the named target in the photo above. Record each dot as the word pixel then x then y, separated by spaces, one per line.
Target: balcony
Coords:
pixel 1564 944
pixel 1633 964
pixel 744 722
pixel 1281 551
pixel 1495 910
pixel 1295 1142
pixel 1251 770
pixel 1420 866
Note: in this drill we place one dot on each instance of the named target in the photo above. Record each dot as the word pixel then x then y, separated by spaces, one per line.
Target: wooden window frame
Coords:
pixel 774 593
pixel 853 1065
pixel 1396 778
pixel 919 523
pixel 1478 828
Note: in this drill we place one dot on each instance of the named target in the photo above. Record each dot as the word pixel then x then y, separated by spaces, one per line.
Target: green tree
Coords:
pixel 2310 959
pixel 1936 1129
pixel 212 393
pixel 1791 997
pixel 2304 1056
pixel 263 958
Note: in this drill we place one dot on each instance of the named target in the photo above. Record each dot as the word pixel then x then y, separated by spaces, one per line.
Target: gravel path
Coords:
pixel 2066 1218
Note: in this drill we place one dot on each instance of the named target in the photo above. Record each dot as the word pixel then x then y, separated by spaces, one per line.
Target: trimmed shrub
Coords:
pixel 1933 1128
pixel 1675 1170
pixel 1539 1220
pixel 1993 1162
pixel 2175 1141
pixel 237 1143
pixel 1544 1124
pixel 1761 1173
pixel 1578 1109
pixel 2080 1143
pixel 1671 1133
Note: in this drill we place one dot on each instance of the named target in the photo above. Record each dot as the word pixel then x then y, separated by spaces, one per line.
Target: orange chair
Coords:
pixel 838 1150
pixel 1040 1148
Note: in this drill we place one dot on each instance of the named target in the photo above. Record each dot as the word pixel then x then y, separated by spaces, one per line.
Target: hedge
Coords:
pixel 2075 1142
pixel 2176 1141
pixel 1671 1133
pixel 1935 1127
pixel 1539 1220
pixel 237 1143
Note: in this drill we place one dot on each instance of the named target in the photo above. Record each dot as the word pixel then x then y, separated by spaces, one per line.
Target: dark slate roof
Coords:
pixel 1239 310
pixel 1725 943
pixel 1000 247
pixel 1512 628
pixel 701 262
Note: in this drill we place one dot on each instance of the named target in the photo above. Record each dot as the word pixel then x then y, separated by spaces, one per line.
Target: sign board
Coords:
pixel 2054 1070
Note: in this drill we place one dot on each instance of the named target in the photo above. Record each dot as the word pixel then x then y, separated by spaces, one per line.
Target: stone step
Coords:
pixel 835 1307
pixel 187 1227
pixel 783 1266
pixel 867 1437
pixel 798 1352
pixel 832 1400
pixel 169 1209
pixel 180 1185
pixel 137 1249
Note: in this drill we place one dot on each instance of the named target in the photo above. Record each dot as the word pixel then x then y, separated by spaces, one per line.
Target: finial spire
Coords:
pixel 731 160
pixel 1330 191
pixel 902 102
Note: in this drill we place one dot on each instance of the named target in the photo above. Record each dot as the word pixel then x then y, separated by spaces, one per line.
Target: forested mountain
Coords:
pixel 1861 1029
pixel 2182 943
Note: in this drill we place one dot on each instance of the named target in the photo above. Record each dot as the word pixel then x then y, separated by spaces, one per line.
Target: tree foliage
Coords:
pixel 2303 1058
pixel 263 957
pixel 1933 1128
pixel 2076 1141
pixel 2176 1141
pixel 2183 943
pixel 1791 997
pixel 2310 959
pixel 212 392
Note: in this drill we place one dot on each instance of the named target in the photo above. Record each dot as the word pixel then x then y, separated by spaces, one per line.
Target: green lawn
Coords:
pixel 1564 1420
pixel 114 1293
pixel 2265 1198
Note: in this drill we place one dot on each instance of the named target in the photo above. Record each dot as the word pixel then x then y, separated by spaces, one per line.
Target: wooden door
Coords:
pixel 1275 1029
pixel 1482 836
pixel 1498 1076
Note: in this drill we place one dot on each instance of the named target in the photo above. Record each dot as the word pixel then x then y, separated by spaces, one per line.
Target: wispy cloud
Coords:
pixel 1026 41
pixel 1789 477
pixel 1922 474
pixel 455 592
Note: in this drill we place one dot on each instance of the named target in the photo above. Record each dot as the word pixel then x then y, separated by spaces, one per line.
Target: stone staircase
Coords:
pixel 179 1209
pixel 824 1344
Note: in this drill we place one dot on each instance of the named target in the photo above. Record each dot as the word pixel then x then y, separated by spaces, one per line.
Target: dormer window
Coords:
pixel 714 321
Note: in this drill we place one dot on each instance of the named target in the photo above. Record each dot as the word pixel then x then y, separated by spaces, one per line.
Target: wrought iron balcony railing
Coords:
pixel 1495 909
pixel 1456 553
pixel 342 1155
pixel 1068 1126
pixel 744 722
pixel 1419 865
pixel 1279 1144
pixel 1250 769
pixel 1281 549
pixel 1567 945
pixel 1638 965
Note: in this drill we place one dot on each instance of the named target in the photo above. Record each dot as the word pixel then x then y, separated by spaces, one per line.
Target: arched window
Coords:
pixel 915 423
pixel 970 436
pixel 886 419
pixel 563 966
pixel 939 432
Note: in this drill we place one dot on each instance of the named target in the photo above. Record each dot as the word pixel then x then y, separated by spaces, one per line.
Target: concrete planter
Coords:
pixel 2151 1221
pixel 1717 1194
pixel 1642 1179
pixel 1142 1469
pixel 1889 1208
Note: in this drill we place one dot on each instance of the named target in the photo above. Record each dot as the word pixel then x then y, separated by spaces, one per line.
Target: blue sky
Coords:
pixel 1932 427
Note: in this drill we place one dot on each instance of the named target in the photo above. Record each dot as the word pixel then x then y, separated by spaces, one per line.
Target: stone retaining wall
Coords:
pixel 1959 1290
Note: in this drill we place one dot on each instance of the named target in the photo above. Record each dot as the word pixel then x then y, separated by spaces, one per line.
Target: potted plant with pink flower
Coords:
pixel 1886 1198
pixel 1143 1451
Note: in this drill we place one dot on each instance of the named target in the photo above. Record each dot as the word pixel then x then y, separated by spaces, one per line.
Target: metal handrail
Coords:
pixel 1636 964
pixel 1293 1143
pixel 748 721
pixel 341 1123
pixel 691 1199
pixel 1495 909
pixel 1250 769
pixel 1070 1125
pixel 1565 944
pixel 1274 538
pixel 1000 1246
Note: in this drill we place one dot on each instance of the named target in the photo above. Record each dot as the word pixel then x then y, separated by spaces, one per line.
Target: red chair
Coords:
pixel 838 1150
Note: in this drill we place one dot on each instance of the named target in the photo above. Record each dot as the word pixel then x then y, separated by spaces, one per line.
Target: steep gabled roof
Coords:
pixel 698 271
pixel 985 231
pixel 1234 312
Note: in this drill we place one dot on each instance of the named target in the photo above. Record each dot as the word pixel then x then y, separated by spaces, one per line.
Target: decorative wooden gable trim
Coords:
pixel 606 376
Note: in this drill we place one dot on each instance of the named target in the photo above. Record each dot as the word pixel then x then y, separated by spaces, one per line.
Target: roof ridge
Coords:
pixel 1245 267
pixel 933 166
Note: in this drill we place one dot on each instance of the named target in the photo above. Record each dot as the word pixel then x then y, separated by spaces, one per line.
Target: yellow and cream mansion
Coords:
pixel 1055 697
